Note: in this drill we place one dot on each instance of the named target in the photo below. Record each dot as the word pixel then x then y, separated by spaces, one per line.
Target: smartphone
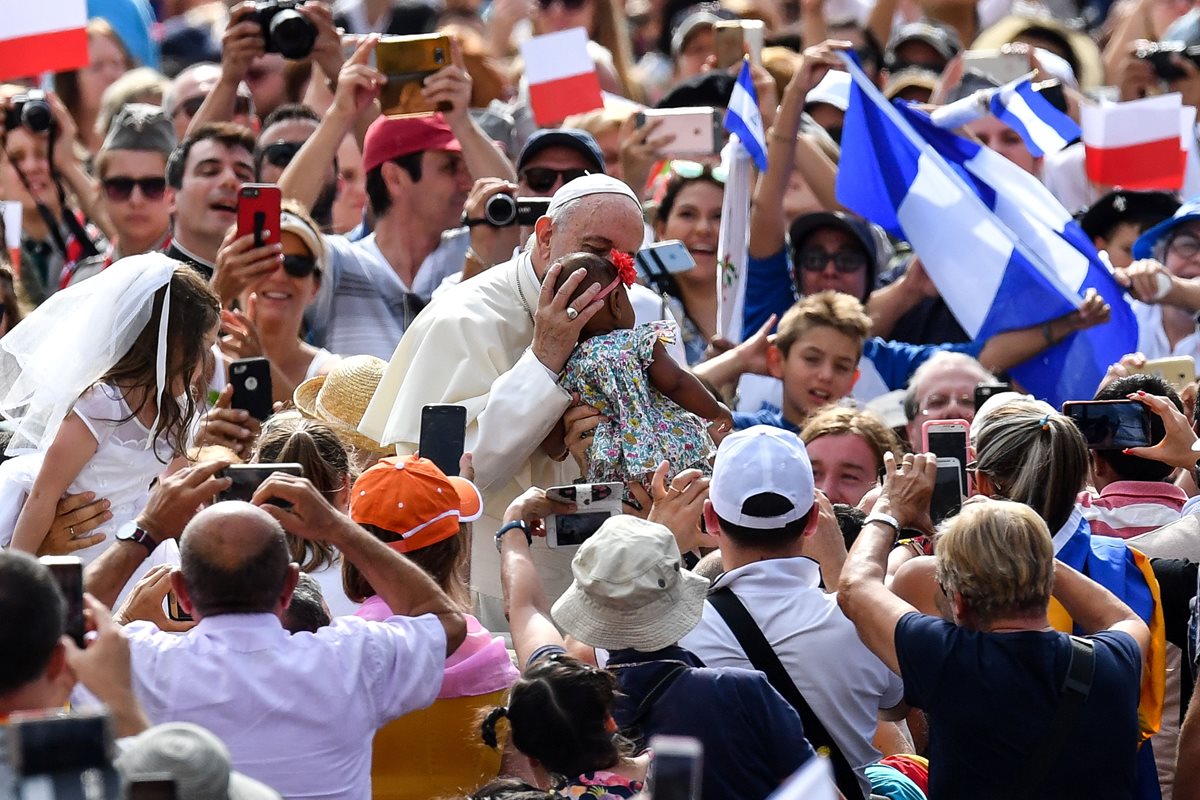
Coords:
pixel 948 490
pixel 405 62
pixel 594 503
pixel 175 611
pixel 697 130
pixel 1111 424
pixel 55 742
pixel 443 435
pixel 68 573
pixel 730 43
pixel 754 31
pixel 153 787
pixel 675 771
pixel 1178 371
pixel 985 390
pixel 258 212
pixel 251 379
pixel 1000 67
pixel 246 478
pixel 657 261
pixel 947 438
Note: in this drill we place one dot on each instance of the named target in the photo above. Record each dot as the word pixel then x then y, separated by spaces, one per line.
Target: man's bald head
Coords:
pixel 235 560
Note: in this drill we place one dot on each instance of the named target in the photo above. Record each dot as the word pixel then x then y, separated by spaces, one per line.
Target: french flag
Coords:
pixel 1044 128
pixel 43 37
pixel 562 76
pixel 1003 253
pixel 1140 144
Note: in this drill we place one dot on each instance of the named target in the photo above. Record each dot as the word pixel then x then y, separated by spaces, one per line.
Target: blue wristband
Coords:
pixel 521 524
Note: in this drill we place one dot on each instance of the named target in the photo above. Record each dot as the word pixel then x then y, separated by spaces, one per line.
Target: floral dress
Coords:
pixel 611 373
pixel 601 785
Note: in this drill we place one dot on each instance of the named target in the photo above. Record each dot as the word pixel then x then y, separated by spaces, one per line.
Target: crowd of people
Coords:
pixel 781 576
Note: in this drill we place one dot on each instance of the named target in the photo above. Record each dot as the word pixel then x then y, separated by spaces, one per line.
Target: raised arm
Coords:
pixel 1005 350
pixel 241 43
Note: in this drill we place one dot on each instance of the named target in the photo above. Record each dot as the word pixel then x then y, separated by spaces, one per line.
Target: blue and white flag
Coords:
pixel 1044 128
pixel 1002 251
pixel 743 119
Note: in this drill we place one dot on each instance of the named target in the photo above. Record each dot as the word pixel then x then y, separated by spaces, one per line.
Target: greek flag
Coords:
pixel 1003 253
pixel 1044 128
pixel 743 119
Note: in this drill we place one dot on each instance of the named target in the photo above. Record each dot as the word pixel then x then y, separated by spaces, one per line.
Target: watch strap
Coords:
pixel 886 519
pixel 141 536
pixel 521 524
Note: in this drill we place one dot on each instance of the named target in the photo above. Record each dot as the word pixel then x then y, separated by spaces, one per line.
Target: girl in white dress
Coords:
pixel 101 378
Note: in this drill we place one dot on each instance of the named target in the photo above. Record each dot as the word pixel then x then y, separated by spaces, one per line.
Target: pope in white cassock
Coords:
pixel 496 345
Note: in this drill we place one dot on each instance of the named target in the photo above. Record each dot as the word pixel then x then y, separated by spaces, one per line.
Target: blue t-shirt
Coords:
pixel 753 739
pixel 765 416
pixel 992 697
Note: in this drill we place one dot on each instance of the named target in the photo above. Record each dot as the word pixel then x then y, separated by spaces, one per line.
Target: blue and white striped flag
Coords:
pixel 742 117
pixel 1002 251
pixel 1044 128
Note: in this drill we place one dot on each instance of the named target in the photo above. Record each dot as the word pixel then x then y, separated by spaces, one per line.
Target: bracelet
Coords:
pixel 474 256
pixel 511 526
pixel 471 223
pixel 771 132
pixel 885 519
pixel 1049 337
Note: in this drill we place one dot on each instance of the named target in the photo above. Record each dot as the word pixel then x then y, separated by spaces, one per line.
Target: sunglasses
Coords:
pixel 189 107
pixel 815 259
pixel 690 170
pixel 119 188
pixel 569 5
pixel 299 266
pixel 280 154
pixel 541 179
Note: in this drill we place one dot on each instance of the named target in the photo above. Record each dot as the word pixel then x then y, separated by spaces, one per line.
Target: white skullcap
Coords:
pixel 589 185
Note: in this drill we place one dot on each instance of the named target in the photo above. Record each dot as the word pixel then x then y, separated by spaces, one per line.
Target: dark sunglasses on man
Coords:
pixel 569 5
pixel 541 179
pixel 280 154
pixel 119 188
pixel 814 259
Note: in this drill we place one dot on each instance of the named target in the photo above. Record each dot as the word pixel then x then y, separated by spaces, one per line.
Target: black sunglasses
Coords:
pixel 570 5
pixel 540 179
pixel 280 154
pixel 299 266
pixel 241 106
pixel 119 188
pixel 814 260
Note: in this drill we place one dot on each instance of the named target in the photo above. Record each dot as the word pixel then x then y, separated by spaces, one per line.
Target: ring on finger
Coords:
pixel 674 489
pixel 572 313
pixel 71 531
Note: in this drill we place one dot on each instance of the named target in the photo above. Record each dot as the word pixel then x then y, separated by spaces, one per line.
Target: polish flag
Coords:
pixel 1139 144
pixel 42 37
pixel 562 76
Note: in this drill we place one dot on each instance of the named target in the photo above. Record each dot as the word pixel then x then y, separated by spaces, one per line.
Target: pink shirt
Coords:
pixel 1130 508
pixel 480 665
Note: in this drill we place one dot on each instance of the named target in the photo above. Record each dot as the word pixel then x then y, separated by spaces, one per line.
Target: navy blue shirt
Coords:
pixel 992 697
pixel 764 416
pixel 752 738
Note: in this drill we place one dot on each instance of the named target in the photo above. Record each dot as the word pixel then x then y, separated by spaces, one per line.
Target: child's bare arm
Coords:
pixel 73 447
pixel 683 387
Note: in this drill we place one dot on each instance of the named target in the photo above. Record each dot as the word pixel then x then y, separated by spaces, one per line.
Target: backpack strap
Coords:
pixel 764 659
pixel 1076 686
pixel 632 729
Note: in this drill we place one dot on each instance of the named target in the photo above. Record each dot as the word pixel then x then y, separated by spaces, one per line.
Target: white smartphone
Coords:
pixel 594 503
pixel 697 130
pixel 656 261
pixel 1179 371
pixel 754 32
pixel 948 491
pixel 1000 67
pixel 675 772
pixel 947 438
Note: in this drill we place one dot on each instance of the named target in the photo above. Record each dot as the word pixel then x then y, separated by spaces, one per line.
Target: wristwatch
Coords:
pixel 518 524
pixel 132 532
pixel 886 519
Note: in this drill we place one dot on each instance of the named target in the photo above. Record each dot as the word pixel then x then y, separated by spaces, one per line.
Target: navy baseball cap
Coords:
pixel 571 138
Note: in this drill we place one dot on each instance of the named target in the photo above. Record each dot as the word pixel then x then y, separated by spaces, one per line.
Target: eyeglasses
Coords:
pixel 119 188
pixel 1184 246
pixel 690 170
pixel 569 5
pixel 844 261
pixel 541 179
pixel 241 106
pixel 299 266
pixel 280 154
pixel 940 402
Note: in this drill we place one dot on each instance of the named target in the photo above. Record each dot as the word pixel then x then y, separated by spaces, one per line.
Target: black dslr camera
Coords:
pixel 503 210
pixel 31 110
pixel 1161 56
pixel 285 30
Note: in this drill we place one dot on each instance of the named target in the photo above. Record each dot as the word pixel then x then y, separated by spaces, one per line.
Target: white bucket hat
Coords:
pixel 630 589
pixel 195 759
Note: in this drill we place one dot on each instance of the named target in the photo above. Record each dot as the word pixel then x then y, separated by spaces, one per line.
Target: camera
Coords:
pixel 31 110
pixel 503 210
pixel 286 30
pixel 1161 56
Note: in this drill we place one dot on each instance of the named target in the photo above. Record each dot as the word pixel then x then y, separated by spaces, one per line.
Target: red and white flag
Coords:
pixel 37 37
pixel 1137 145
pixel 562 76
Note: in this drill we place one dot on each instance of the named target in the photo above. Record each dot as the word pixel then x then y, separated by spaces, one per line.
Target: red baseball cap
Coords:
pixel 415 500
pixel 393 137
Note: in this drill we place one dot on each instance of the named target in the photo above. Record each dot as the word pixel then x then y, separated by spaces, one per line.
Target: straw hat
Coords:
pixel 340 398
pixel 1085 51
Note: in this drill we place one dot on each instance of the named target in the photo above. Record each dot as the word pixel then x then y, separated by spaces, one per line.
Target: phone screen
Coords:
pixel 68 574
pixel 1111 425
pixel 246 478
pixel 947 493
pixel 947 443
pixel 675 775
pixel 152 789
pixel 443 436
pixel 575 529
pixel 985 390
pixel 62 743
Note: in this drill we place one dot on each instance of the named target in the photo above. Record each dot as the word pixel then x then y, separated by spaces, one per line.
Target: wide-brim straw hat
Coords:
pixel 1086 52
pixel 340 399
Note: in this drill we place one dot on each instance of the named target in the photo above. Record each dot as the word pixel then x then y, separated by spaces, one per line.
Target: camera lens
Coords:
pixel 291 35
pixel 36 116
pixel 501 210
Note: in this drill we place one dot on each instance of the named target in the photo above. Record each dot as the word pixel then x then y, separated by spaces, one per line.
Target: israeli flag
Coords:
pixel 1044 128
pixel 742 117
pixel 1002 251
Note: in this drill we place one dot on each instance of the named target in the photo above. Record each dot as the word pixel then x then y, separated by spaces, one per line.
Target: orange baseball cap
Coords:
pixel 415 500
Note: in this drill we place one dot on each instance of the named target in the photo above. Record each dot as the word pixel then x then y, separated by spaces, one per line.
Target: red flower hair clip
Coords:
pixel 624 264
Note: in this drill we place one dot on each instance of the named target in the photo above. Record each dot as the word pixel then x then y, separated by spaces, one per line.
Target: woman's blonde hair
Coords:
pixel 1031 454
pixel 834 421
pixel 999 557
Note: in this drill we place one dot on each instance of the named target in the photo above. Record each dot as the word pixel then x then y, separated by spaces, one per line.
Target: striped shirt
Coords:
pixel 1130 508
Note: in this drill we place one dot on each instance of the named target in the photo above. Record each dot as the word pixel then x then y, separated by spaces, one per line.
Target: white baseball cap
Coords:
pixel 833 89
pixel 758 460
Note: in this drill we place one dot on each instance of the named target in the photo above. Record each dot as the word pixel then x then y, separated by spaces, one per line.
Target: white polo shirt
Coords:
pixel 843 681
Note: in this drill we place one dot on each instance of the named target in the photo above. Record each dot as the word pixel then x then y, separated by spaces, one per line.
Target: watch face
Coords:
pixel 127 530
